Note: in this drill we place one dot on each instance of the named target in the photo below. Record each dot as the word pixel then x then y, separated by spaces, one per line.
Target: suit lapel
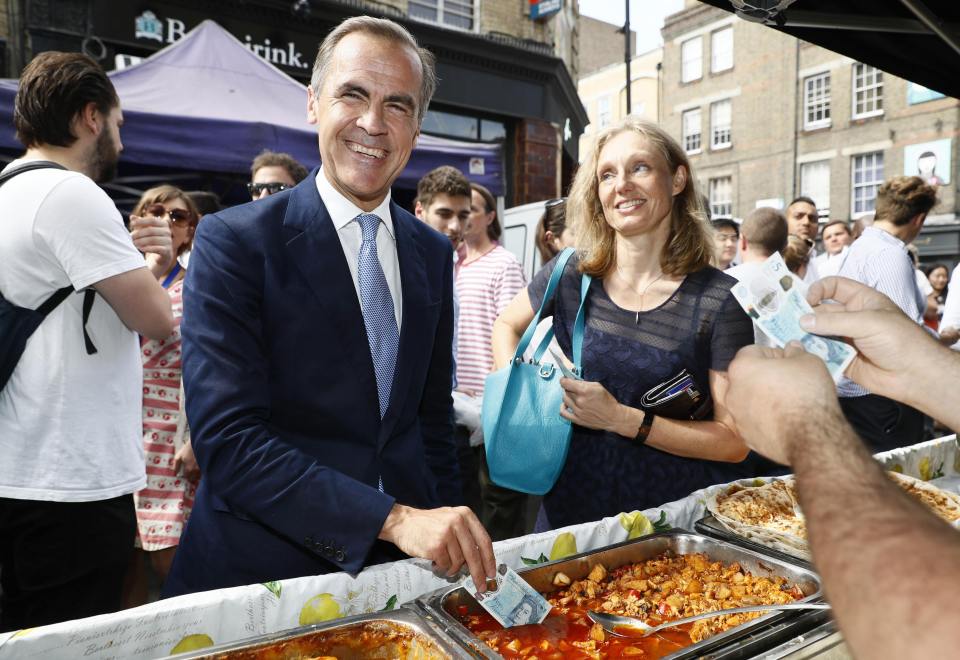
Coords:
pixel 314 248
pixel 414 293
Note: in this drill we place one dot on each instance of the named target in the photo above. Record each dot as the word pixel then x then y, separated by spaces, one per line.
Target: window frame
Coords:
pixel 875 183
pixel 601 124
pixel 713 50
pixel 713 183
pixel 683 130
pixel 823 104
pixel 822 211
pixel 441 10
pixel 683 60
pixel 876 87
pixel 719 146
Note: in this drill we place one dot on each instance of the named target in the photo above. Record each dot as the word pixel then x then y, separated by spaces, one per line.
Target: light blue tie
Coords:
pixel 378 316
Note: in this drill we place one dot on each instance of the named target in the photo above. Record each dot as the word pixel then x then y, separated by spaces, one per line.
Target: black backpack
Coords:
pixel 17 324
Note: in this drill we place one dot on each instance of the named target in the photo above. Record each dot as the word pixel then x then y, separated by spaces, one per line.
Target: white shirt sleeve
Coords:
pixel 951 308
pixel 83 231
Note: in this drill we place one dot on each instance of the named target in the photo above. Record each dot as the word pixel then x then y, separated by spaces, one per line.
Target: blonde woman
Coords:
pixel 655 307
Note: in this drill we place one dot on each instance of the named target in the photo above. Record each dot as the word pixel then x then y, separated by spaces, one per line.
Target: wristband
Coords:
pixel 645 426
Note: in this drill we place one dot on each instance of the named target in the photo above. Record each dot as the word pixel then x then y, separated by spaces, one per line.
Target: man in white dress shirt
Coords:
pixel 803 220
pixel 836 238
pixel 879 259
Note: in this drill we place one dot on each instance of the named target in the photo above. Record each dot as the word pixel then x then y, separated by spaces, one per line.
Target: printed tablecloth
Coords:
pixel 215 617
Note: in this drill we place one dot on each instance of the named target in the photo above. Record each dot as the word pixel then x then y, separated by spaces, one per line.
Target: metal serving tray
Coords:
pixel 710 526
pixel 444 603
pixel 429 642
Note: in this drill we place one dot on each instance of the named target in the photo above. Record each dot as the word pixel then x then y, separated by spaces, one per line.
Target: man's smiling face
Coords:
pixel 366 116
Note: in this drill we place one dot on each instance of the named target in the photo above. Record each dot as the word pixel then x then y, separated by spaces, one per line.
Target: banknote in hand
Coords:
pixel 775 299
pixel 513 602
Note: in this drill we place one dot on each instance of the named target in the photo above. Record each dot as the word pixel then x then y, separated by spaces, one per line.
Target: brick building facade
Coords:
pixel 505 76
pixel 766 117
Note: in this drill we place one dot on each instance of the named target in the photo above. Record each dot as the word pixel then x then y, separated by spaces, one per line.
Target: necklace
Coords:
pixel 638 291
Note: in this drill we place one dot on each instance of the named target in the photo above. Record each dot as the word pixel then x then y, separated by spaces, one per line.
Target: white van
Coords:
pixel 520 235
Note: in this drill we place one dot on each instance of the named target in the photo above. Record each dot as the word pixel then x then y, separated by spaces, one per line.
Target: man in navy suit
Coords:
pixel 317 351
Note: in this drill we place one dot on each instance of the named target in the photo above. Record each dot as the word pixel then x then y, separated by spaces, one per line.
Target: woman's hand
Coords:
pixel 184 462
pixel 589 404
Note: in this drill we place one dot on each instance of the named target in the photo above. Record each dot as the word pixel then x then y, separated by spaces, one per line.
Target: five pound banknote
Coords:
pixel 513 602
pixel 775 299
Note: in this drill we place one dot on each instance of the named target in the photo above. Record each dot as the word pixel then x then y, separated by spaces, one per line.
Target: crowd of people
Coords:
pixel 329 349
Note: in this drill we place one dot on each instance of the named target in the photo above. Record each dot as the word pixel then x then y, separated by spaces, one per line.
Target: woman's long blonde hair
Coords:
pixel 690 244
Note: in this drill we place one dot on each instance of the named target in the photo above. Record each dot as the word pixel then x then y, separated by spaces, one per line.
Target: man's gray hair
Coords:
pixel 385 29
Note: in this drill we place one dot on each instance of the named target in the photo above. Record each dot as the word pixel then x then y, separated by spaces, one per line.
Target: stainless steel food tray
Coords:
pixel 430 639
pixel 710 526
pixel 444 603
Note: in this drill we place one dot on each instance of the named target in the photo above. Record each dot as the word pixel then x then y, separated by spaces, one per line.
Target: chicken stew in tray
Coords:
pixel 666 587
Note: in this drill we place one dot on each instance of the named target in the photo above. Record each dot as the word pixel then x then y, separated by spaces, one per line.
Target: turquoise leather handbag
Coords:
pixel 526 438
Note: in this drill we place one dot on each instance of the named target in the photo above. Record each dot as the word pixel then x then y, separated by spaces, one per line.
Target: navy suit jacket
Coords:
pixel 282 398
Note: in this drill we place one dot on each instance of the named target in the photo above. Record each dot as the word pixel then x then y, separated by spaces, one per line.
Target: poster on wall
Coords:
pixel 920 94
pixel 929 160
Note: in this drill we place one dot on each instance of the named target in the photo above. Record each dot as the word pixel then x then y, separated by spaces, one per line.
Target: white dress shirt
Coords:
pixel 344 214
pixel 951 307
pixel 880 261
pixel 829 264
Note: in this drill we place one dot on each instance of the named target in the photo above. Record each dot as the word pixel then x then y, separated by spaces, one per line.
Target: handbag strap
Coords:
pixel 562 260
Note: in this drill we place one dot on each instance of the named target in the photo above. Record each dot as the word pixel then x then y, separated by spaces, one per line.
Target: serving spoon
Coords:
pixel 611 622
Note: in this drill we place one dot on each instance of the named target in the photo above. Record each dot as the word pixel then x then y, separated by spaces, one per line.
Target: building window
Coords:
pixel 867 91
pixel 691 131
pixel 721 50
pixel 816 101
pixel 721 197
pixel 454 13
pixel 720 119
pixel 867 177
pixel 691 56
pixel 603 111
pixel 815 184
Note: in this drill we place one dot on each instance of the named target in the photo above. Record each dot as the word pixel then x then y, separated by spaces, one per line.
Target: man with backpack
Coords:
pixel 70 384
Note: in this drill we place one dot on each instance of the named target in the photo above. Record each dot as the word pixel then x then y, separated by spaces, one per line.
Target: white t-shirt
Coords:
pixel 70 423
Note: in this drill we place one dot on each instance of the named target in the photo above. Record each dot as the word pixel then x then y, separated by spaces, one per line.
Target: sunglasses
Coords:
pixel 272 188
pixel 177 216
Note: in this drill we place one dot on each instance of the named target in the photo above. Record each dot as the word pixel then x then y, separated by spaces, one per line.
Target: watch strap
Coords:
pixel 645 426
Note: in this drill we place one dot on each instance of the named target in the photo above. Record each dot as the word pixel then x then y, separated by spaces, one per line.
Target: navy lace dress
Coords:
pixel 699 328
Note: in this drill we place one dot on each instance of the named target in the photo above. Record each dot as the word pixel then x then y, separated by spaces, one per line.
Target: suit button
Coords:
pixel 308 541
pixel 317 546
pixel 341 555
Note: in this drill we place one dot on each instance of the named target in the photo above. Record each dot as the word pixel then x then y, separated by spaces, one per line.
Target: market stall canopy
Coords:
pixel 208 103
pixel 918 40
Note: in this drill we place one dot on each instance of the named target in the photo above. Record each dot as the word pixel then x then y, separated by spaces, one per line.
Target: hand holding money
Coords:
pixel 895 353
pixel 774 299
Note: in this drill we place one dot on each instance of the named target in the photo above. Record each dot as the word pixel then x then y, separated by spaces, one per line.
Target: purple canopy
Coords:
pixel 208 103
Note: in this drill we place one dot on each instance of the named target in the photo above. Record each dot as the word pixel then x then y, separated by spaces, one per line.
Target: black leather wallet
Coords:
pixel 678 398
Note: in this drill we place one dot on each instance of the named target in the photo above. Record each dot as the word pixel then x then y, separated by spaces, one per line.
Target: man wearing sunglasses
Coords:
pixel 272 172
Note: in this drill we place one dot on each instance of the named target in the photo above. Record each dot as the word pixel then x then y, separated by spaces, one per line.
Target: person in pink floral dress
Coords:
pixel 172 471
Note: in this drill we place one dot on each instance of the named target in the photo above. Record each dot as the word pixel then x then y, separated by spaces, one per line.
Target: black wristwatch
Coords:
pixel 645 426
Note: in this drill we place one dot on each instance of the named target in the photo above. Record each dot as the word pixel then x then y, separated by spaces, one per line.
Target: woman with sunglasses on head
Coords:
pixel 655 308
pixel 172 471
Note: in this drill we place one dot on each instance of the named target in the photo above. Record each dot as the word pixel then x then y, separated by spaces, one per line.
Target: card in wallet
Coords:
pixel 677 398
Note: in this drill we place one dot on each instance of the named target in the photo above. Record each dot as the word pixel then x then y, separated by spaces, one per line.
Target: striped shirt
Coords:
pixel 880 260
pixel 484 288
